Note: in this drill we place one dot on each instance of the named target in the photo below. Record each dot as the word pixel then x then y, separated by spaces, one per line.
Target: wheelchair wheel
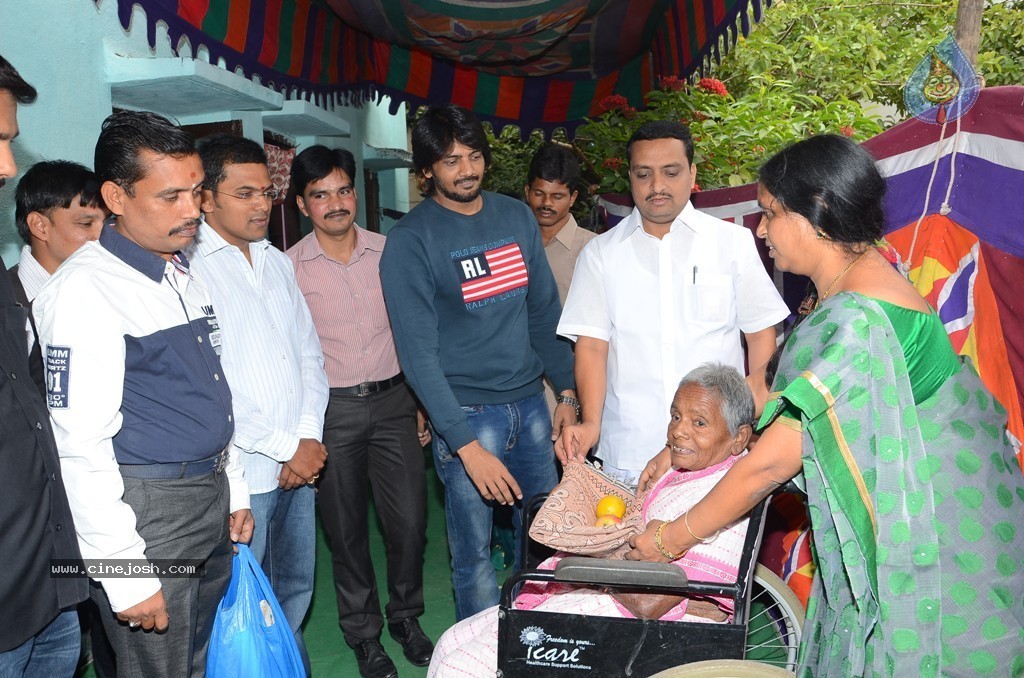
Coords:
pixel 775 622
pixel 724 668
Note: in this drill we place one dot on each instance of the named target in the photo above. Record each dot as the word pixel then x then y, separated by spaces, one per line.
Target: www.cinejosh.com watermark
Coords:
pixel 126 568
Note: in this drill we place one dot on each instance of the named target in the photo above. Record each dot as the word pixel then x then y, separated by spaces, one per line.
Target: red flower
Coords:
pixel 614 102
pixel 696 188
pixel 697 115
pixel 847 131
pixel 614 164
pixel 713 86
pixel 671 83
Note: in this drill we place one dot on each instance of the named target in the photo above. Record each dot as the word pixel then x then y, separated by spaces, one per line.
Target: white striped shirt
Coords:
pixel 271 354
pixel 31 273
pixel 32 276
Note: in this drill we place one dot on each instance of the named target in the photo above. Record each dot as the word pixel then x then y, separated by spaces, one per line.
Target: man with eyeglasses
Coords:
pixel 272 360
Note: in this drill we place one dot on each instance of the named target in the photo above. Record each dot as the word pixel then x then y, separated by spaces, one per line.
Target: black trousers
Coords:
pixel 371 443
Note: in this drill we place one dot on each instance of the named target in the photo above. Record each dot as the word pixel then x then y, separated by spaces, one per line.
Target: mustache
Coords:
pixel 337 213
pixel 652 196
pixel 191 223
pixel 468 180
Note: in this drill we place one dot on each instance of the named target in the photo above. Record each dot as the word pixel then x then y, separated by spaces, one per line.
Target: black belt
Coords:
pixel 367 387
pixel 172 470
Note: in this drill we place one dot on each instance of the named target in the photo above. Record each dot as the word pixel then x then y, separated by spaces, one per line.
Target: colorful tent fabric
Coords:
pixel 541 64
pixel 968 263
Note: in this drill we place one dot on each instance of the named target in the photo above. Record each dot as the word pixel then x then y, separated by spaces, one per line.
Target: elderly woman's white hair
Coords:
pixel 737 402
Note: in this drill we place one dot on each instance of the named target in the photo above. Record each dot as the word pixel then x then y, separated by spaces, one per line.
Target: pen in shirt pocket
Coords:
pixel 694 275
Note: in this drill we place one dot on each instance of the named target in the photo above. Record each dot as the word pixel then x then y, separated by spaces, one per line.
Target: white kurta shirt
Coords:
pixel 664 307
pixel 270 352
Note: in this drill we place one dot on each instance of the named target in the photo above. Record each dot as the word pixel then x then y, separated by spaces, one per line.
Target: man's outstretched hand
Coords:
pixel 576 441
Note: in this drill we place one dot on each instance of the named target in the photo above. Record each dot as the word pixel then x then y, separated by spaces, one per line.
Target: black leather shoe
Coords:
pixel 373 661
pixel 416 647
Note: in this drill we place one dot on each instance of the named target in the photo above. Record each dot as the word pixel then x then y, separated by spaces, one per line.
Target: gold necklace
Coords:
pixel 846 270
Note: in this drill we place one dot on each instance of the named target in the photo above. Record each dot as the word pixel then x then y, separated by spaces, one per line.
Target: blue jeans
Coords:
pixel 518 434
pixel 53 652
pixel 284 542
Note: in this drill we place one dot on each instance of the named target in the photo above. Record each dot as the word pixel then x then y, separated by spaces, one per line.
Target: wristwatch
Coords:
pixel 572 402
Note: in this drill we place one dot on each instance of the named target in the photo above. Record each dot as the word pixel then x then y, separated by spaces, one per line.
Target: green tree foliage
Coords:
pixel 732 136
pixel 510 159
pixel 865 50
pixel 811 66
pixel 1001 55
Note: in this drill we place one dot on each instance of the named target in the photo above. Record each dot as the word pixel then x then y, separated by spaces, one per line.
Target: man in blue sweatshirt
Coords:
pixel 473 308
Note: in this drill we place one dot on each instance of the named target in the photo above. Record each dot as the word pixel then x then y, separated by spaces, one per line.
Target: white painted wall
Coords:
pixel 62 47
pixel 59 47
pixel 384 130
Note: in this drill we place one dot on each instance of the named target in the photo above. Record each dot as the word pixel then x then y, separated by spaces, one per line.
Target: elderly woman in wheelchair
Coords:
pixel 709 428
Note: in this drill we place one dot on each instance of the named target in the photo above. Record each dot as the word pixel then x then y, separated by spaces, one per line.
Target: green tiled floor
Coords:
pixel 329 655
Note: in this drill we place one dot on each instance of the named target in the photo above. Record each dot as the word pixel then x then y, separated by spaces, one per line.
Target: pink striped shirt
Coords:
pixel 347 305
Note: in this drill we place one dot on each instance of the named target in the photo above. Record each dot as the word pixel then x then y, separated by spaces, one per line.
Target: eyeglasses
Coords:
pixel 253 197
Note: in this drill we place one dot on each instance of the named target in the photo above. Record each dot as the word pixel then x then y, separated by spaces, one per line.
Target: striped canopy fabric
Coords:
pixel 967 261
pixel 966 179
pixel 965 182
pixel 540 64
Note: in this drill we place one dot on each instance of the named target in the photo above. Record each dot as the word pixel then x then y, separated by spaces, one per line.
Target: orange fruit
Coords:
pixel 610 505
pixel 607 520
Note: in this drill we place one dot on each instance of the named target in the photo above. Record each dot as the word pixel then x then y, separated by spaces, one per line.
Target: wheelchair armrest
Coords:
pixel 577 570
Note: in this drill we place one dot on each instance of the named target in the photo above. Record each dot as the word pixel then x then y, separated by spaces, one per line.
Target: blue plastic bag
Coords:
pixel 251 638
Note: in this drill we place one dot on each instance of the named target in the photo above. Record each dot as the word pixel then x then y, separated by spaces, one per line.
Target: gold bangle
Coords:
pixel 686 522
pixel 661 546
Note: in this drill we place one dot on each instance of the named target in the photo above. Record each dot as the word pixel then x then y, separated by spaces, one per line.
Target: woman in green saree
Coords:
pixel 915 498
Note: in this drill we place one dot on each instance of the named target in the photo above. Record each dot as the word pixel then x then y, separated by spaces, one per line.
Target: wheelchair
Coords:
pixel 761 639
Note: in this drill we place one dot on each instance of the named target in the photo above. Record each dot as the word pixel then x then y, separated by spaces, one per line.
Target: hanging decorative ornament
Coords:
pixel 943 86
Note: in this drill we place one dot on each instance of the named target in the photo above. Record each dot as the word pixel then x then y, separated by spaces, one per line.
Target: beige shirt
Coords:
pixel 562 252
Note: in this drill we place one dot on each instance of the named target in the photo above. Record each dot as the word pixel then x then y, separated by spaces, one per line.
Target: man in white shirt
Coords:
pixel 57 209
pixel 272 358
pixel 140 408
pixel 666 290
